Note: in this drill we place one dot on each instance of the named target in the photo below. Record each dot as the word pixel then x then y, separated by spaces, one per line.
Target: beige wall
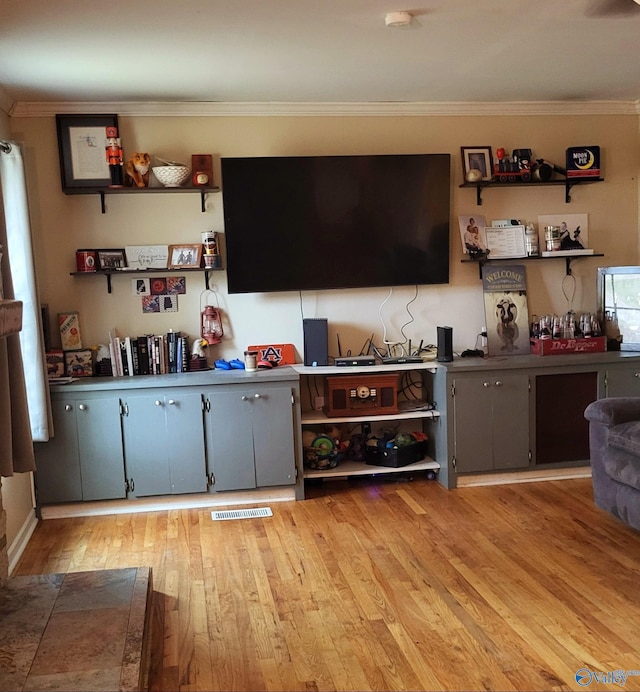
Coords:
pixel 63 223
pixel 16 490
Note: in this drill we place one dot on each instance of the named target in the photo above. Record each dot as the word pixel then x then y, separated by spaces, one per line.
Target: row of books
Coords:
pixel 150 354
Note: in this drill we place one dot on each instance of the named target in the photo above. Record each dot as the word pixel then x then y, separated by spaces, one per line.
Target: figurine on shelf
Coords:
pixel 138 169
pixel 114 157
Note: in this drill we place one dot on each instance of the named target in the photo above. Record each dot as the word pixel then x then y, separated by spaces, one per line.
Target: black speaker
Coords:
pixel 445 345
pixel 316 341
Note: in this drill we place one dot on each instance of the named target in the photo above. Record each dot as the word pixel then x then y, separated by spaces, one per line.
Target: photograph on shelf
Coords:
pixel 506 311
pixel 472 234
pixel 185 256
pixel 477 164
pixel 147 256
pixel 111 259
pixel 564 234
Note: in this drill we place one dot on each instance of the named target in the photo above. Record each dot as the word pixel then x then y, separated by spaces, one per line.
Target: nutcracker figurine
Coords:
pixel 115 158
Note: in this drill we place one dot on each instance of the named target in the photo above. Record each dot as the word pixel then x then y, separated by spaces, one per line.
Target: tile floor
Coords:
pixel 81 631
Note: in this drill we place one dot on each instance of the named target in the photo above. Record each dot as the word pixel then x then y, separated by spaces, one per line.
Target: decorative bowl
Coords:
pixel 172 176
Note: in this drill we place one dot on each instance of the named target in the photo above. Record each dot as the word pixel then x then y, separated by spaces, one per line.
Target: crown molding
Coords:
pixel 23 109
pixel 6 103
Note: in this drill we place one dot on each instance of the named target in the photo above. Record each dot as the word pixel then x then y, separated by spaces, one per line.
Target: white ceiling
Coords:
pixel 318 51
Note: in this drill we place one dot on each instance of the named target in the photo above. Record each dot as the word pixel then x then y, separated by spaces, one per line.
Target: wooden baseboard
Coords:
pixel 522 476
pixel 165 502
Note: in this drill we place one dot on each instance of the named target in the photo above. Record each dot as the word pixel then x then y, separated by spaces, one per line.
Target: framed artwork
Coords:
pixel 147 256
pixel 477 158
pixel 82 150
pixel 185 256
pixel 140 287
pixel 111 259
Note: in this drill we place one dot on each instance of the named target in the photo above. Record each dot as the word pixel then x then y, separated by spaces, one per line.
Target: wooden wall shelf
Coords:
pixel 143 272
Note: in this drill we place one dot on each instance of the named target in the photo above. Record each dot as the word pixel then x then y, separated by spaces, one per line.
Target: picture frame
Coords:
pixel 82 151
pixel 111 259
pixel 185 256
pixel 147 256
pixel 472 234
pixel 479 158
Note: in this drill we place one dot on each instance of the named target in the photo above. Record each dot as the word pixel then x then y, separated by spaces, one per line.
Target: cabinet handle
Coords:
pixel 636 374
pixel 68 407
pixel 486 384
pixel 171 402
pixel 257 396
pixel 245 398
pixel 158 402
pixel 498 383
pixel 82 407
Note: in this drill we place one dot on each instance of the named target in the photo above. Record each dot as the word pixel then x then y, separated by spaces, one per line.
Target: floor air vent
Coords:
pixel 242 513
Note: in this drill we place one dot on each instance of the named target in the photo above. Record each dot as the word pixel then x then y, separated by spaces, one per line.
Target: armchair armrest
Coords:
pixel 613 411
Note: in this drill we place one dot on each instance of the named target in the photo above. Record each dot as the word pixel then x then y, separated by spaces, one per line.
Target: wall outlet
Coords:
pixel 318 403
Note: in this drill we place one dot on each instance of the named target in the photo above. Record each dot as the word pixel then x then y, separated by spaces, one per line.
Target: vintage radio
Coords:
pixel 361 395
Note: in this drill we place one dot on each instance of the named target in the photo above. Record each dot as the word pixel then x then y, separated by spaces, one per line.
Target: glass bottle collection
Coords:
pixel 568 326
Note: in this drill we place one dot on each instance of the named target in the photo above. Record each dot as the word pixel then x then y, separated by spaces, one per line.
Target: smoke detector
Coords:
pixel 402 18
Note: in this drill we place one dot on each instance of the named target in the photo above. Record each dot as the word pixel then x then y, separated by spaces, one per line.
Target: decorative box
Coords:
pixel 79 363
pixel 69 323
pixel 583 162
pixel 561 347
pixel 55 363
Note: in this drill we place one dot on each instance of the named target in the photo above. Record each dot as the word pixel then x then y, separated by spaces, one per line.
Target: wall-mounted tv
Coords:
pixel 325 222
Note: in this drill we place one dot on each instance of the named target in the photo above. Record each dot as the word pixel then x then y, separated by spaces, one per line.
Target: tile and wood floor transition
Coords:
pixel 78 631
pixel 375 585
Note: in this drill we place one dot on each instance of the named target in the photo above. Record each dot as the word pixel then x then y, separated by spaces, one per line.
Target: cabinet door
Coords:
pixel 100 448
pixel 273 434
pixel 491 422
pixel 58 476
pixel 185 443
pixel 164 444
pixel 145 445
pixel 623 381
pixel 510 421
pixel 230 443
pixel 250 436
pixel 472 424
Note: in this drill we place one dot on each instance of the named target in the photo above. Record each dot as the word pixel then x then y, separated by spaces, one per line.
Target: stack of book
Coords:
pixel 150 354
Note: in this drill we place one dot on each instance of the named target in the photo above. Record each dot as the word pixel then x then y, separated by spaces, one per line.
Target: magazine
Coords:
pixel 506 310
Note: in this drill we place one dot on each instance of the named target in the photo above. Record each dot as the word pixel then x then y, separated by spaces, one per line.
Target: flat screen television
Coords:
pixel 326 222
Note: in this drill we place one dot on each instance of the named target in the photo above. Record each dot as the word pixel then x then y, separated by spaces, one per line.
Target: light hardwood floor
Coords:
pixel 381 585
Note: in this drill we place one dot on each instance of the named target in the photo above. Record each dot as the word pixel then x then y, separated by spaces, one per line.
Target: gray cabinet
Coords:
pixel 622 380
pixel 84 460
pixel 164 442
pixel 490 421
pixel 251 435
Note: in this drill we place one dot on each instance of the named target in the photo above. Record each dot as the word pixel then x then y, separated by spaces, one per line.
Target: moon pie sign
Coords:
pixel 583 162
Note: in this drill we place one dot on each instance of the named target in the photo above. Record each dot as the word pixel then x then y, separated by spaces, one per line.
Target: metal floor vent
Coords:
pixel 242 513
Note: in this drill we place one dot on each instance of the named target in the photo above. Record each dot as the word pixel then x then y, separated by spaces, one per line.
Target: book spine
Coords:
pixel 143 355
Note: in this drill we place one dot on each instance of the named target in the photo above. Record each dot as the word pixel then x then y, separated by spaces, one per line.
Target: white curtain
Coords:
pixel 22 276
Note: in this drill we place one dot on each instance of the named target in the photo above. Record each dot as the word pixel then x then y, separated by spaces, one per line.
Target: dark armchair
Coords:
pixel 614 443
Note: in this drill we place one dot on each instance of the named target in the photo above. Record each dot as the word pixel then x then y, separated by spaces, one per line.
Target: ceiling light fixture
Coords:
pixel 397 19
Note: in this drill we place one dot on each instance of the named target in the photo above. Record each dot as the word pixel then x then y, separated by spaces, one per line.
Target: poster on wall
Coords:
pixel 506 309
